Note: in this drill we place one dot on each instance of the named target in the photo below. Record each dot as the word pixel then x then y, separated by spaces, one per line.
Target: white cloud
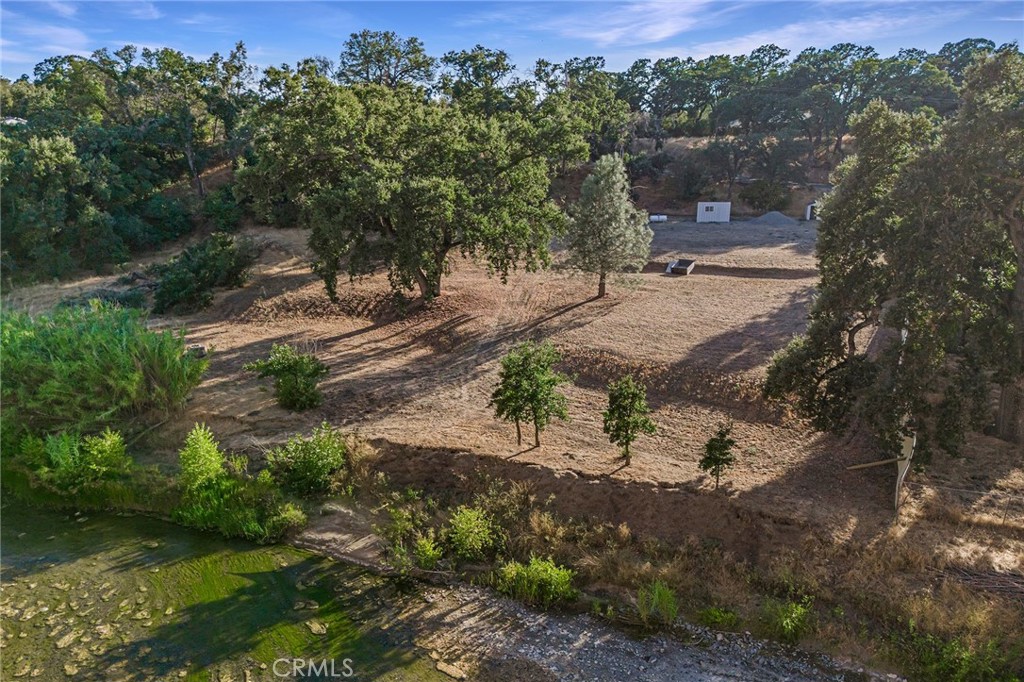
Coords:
pixel 634 23
pixel 207 23
pixel 198 19
pixel 142 10
pixel 822 32
pixel 50 39
pixel 65 9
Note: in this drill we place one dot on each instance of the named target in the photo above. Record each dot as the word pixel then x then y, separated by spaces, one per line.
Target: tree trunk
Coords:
pixel 197 177
pixel 602 289
pixel 717 476
pixel 519 434
pixel 428 289
pixel 1010 420
pixel 536 435
pixel 626 454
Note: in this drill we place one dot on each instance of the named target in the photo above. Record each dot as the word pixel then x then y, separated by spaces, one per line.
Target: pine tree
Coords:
pixel 606 232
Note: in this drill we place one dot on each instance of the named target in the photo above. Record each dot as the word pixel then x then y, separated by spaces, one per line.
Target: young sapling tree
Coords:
pixel 718 455
pixel 627 414
pixel 527 388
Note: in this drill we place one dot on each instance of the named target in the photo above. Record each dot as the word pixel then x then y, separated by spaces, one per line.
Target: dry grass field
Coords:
pixel 417 384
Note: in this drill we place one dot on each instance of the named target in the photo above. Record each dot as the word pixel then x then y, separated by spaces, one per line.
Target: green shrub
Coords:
pixel 201 459
pixel 79 370
pixel 309 466
pixel 427 551
pixel 719 619
pixel 222 209
pixel 104 456
pixel 788 621
pixel 765 196
pixel 541 582
pixel 186 283
pixel 253 509
pixel 296 376
pixel 166 219
pixel 471 534
pixel 132 298
pixel 931 658
pixel 657 601
pixel 230 502
pixel 32 452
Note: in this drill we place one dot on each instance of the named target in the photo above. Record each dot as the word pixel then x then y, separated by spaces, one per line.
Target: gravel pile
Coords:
pixel 774 219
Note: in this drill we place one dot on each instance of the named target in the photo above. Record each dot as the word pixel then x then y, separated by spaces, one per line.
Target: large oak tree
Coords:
pixel 385 177
pixel 924 236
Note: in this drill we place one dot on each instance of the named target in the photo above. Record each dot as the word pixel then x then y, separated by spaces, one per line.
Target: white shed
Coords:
pixel 713 211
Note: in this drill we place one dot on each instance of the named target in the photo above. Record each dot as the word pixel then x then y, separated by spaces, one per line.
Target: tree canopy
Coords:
pixel 386 177
pixel 922 244
pixel 627 414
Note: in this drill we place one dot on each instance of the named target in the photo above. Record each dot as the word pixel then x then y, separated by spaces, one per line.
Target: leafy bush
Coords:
pixel 471 534
pixel 222 209
pixel 657 601
pixel 132 298
pixel 427 551
pixel 308 466
pixel 201 459
pixel 541 582
pixel 931 658
pixel 186 283
pixel 788 621
pixel 765 196
pixel 231 503
pixel 296 376
pixel 240 507
pixel 72 461
pixel 720 619
pixel 78 370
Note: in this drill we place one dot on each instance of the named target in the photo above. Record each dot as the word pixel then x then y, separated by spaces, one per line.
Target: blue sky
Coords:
pixel 277 32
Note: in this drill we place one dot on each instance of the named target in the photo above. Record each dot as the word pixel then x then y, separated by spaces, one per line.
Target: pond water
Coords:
pixel 104 597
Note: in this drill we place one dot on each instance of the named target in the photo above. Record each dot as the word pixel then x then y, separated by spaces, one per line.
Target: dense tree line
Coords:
pixel 397 159
pixel 89 143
